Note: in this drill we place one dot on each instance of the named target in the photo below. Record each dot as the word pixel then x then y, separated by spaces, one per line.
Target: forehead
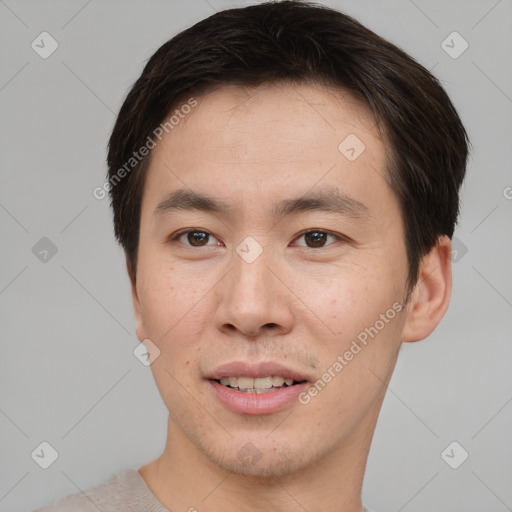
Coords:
pixel 301 112
pixel 252 143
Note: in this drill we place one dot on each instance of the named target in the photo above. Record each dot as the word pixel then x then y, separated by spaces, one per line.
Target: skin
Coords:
pixel 203 305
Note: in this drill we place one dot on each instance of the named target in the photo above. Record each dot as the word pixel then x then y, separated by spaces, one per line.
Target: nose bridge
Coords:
pixel 250 279
pixel 252 298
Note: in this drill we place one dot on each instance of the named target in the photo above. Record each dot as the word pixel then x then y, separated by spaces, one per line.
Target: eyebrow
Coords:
pixel 332 200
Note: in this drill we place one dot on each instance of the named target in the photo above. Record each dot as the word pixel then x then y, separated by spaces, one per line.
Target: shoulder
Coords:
pixel 117 493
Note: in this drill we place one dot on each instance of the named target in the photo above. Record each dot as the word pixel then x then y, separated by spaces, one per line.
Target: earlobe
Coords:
pixel 431 296
pixel 139 329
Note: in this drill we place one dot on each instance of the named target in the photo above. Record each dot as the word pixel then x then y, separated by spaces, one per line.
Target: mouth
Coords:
pixel 259 388
pixel 258 385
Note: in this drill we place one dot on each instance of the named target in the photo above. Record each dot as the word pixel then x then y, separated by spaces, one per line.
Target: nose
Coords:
pixel 254 299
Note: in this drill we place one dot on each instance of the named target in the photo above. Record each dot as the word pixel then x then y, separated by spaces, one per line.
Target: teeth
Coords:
pixel 245 382
pixel 257 391
pixel 256 385
pixel 277 381
pixel 263 382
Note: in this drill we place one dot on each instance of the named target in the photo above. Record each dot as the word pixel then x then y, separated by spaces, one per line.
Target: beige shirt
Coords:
pixel 127 492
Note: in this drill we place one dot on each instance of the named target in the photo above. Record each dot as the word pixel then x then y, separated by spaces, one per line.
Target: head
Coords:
pixel 316 168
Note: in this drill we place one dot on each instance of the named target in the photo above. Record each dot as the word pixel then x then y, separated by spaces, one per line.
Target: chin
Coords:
pixel 262 461
pixel 269 469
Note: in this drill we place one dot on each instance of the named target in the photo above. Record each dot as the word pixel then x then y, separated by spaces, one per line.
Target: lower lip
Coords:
pixel 257 403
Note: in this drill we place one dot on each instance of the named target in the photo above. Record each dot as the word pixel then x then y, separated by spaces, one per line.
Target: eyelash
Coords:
pixel 340 238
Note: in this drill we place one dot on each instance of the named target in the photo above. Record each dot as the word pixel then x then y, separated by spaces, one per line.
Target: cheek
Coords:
pixel 166 292
pixel 349 297
pixel 175 310
pixel 366 322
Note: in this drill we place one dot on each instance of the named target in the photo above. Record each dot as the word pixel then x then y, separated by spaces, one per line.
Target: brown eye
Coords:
pixel 197 238
pixel 194 238
pixel 317 239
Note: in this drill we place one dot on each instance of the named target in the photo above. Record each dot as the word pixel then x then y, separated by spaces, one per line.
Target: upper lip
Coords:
pixel 257 369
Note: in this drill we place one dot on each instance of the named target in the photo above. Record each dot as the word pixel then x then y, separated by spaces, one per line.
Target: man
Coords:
pixel 284 185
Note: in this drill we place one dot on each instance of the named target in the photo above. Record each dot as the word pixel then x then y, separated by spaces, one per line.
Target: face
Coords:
pixel 271 246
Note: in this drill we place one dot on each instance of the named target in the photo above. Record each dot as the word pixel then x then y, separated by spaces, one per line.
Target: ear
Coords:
pixel 431 296
pixel 139 330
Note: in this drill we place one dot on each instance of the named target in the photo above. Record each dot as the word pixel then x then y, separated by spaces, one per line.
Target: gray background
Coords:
pixel 68 373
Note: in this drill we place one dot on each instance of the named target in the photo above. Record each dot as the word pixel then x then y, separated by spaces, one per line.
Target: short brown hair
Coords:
pixel 294 41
